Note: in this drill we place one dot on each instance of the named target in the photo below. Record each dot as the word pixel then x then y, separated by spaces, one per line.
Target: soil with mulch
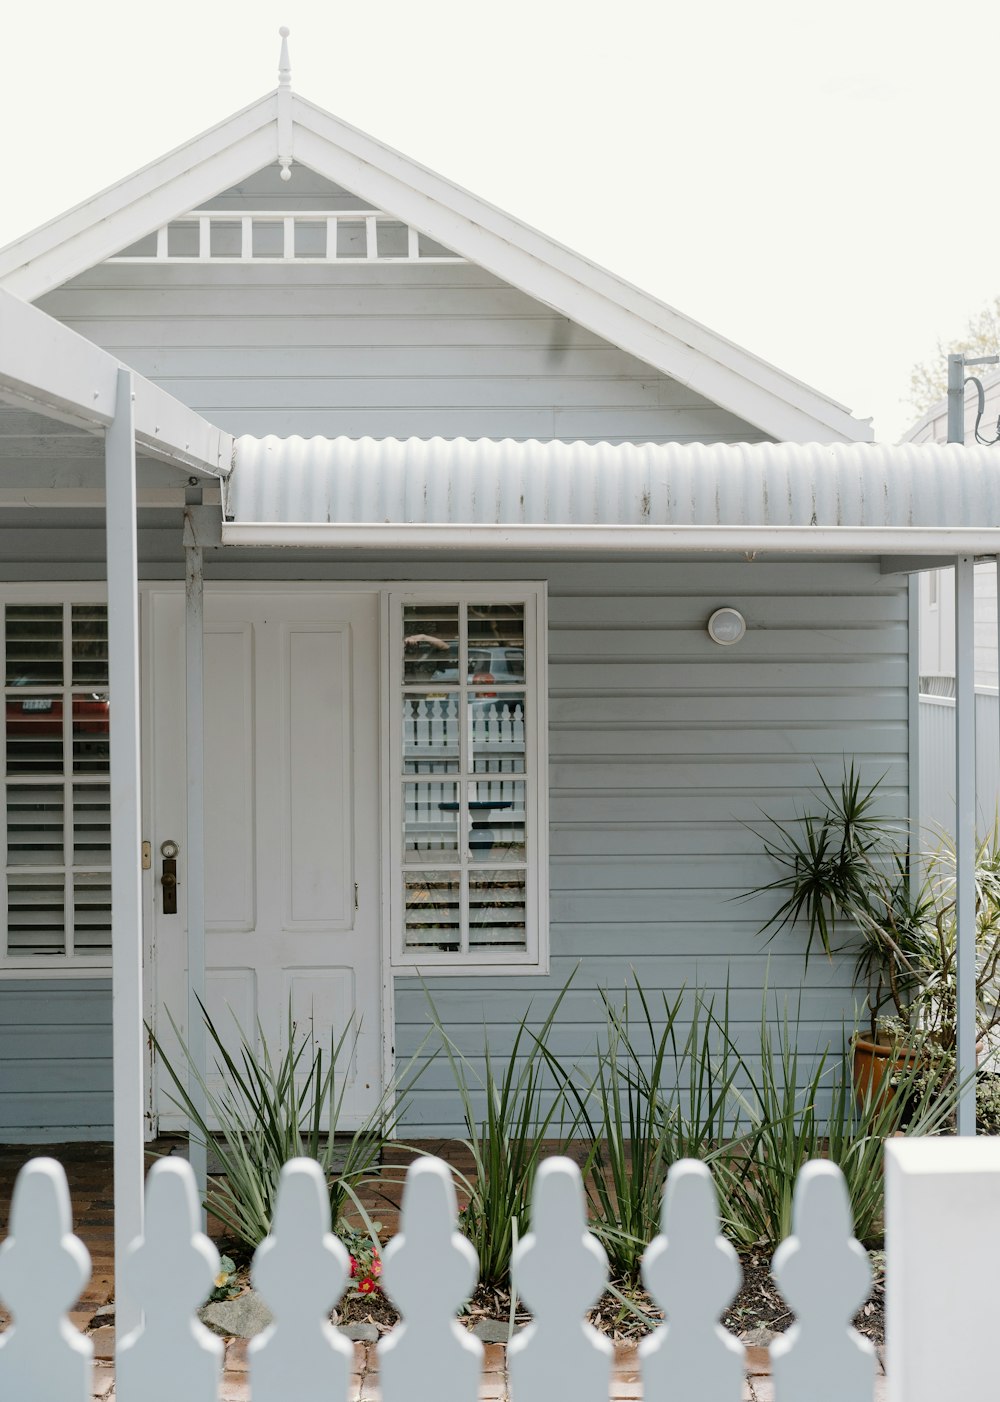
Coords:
pixel 757 1312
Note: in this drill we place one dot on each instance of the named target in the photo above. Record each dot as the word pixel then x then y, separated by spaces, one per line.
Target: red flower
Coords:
pixel 354 1267
pixel 366 1286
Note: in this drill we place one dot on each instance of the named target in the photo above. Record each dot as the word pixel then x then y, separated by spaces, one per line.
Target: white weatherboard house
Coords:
pixel 454 508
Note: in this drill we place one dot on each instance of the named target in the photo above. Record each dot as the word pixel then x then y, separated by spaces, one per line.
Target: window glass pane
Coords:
pixel 92 824
pixel 34 825
pixel 91 740
pixel 433 910
pixel 90 645
pixel 430 644
pixel 496 820
pixel 496 909
pixel 34 734
pixel 430 822
pixel 496 730
pixel 35 915
pixel 496 644
pixel 92 912
pixel 430 734
pixel 34 644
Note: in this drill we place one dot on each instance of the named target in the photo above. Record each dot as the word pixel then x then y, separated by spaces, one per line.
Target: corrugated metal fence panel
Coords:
pixel 458 482
pixel 665 750
pixel 937 765
pixel 55 1054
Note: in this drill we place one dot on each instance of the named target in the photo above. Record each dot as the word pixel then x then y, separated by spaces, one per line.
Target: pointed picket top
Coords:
pixel 560 1269
pixel 285 107
pixel 301 1270
pixel 169 1272
pixel 43 1268
pixel 824 1275
pixel 692 1273
pixel 429 1270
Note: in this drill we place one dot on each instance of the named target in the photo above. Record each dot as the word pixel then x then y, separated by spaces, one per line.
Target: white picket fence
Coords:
pixel 937 765
pixel 943 1205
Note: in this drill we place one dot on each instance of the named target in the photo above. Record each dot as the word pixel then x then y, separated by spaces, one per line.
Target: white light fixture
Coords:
pixel 726 626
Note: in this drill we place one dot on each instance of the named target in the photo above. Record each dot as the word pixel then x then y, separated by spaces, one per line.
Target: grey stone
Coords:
pixel 493 1331
pixel 241 1318
pixel 758 1338
pixel 363 1333
pixel 106 1312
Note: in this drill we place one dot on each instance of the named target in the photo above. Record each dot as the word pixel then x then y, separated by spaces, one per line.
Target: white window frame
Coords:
pixel 51 966
pixel 534 958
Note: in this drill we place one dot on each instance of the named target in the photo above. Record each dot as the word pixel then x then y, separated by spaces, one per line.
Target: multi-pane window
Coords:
pixel 55 821
pixel 468 742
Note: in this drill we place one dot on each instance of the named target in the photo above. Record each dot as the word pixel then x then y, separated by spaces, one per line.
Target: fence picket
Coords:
pixel 301 1270
pixel 429 1270
pixel 692 1273
pixel 824 1275
pixel 169 1272
pixel 560 1269
pixel 43 1268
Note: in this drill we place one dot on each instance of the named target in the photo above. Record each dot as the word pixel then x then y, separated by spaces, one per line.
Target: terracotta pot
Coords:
pixel 873 1061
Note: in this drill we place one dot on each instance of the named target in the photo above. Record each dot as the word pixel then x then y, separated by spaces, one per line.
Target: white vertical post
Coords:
pixel 128 1041
pixel 913 728
pixel 965 837
pixel 371 236
pixel 162 245
pixel 288 238
pixel 246 237
pixel 194 642
pixel 942 1239
pixel 204 237
pixel 331 240
pixel 412 244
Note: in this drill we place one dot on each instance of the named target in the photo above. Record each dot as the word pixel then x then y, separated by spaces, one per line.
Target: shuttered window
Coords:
pixel 468 822
pixel 56 820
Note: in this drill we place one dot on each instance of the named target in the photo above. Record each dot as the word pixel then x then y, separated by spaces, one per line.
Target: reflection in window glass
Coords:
pixel 433 902
pixel 497 821
pixel 430 734
pixel 35 914
pixel 496 733
pixel 497 909
pixel 430 644
pixel 430 822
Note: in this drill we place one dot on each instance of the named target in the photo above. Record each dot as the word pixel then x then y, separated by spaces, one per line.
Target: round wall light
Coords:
pixel 726 626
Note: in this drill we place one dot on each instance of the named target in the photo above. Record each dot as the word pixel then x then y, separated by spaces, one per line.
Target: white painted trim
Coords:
pixel 49 368
pixel 385 859
pixel 534 959
pixel 172 186
pixel 632 540
pixel 128 1036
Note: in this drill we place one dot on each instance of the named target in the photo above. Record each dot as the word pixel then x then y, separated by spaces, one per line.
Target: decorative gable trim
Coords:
pixel 572 286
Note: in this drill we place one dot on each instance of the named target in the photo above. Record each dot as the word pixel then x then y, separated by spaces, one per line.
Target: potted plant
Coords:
pixel 845 866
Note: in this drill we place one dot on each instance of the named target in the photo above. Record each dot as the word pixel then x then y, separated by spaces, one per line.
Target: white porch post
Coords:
pixel 194 639
pixel 126 876
pixel 965 836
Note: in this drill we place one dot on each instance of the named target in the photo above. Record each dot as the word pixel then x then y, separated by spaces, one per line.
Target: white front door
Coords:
pixel 291 821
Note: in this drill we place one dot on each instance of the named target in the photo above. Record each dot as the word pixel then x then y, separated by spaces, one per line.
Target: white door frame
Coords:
pixel 380 590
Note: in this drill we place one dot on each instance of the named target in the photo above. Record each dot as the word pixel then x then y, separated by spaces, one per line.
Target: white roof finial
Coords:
pixel 285 107
pixel 284 63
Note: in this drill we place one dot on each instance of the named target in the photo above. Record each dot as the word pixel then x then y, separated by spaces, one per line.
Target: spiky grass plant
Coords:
pixel 523 1104
pixel 271 1108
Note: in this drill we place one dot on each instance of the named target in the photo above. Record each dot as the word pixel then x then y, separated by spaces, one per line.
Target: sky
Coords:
pixel 812 182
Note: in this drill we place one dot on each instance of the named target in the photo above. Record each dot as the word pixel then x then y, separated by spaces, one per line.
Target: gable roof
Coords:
pixel 282 124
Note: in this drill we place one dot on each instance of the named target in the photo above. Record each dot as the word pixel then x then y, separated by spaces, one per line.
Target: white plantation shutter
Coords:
pixel 468 828
pixel 56 819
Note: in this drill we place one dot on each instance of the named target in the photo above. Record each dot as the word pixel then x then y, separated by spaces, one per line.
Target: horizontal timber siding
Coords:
pixel 386 350
pixel 662 749
pixel 55 1060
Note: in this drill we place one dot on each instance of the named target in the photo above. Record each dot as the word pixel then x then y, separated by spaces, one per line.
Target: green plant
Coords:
pixel 657 1097
pixel 225 1286
pixel 847 864
pixel 796 1115
pixel 365 1256
pixel 270 1109
pixel 506 1144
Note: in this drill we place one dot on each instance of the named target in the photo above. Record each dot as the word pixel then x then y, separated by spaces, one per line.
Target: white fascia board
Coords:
pixel 53 370
pixel 141 203
pixel 775 402
pixel 626 540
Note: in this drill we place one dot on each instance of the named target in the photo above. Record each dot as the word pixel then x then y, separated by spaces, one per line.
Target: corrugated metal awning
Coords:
pixel 458 493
